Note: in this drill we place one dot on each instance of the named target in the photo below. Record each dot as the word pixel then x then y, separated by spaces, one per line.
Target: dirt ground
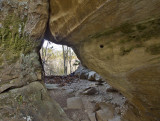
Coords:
pixel 102 93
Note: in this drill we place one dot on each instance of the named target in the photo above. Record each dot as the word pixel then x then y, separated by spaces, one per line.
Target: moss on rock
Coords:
pixel 13 40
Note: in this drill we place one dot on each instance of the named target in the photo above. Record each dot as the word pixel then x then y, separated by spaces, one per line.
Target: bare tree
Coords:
pixel 70 59
pixel 57 61
pixel 45 55
pixel 67 59
pixel 64 60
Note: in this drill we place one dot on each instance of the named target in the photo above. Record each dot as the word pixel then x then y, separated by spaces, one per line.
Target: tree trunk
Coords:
pixel 64 60
pixel 70 59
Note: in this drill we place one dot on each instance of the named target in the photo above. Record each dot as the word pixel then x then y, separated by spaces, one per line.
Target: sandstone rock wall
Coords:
pixel 118 39
pixel 22 97
pixel 22 25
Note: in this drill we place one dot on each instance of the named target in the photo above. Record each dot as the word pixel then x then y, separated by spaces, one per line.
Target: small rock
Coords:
pixel 82 72
pixel 99 83
pixel 85 120
pixel 51 86
pixel 0 25
pixel 104 111
pixel 91 76
pixel 104 115
pixel 98 77
pixel 101 116
pixel 74 116
pixel 92 117
pixel 90 91
pixel 117 118
pixel 92 84
pixel 118 111
pixel 74 103
pixel 83 75
pixel 111 89
pixel 69 91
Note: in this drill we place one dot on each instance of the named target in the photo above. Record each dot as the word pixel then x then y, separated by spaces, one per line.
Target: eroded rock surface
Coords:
pixel 118 39
pixel 22 25
pixel 31 101
pixel 22 97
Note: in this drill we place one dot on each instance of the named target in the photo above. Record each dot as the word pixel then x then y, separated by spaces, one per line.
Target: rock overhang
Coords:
pixel 117 39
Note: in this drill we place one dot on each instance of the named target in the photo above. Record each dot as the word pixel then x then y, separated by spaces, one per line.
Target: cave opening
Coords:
pixel 59 64
pixel 82 93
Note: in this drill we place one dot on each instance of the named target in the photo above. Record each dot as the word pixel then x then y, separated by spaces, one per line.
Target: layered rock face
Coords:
pixel 22 97
pixel 118 39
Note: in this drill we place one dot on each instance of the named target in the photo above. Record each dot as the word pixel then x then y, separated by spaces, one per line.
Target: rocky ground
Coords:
pixel 84 100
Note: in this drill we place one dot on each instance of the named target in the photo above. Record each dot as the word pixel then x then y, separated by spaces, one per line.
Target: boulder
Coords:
pixel 51 86
pixel 93 76
pixel 84 73
pixel 30 102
